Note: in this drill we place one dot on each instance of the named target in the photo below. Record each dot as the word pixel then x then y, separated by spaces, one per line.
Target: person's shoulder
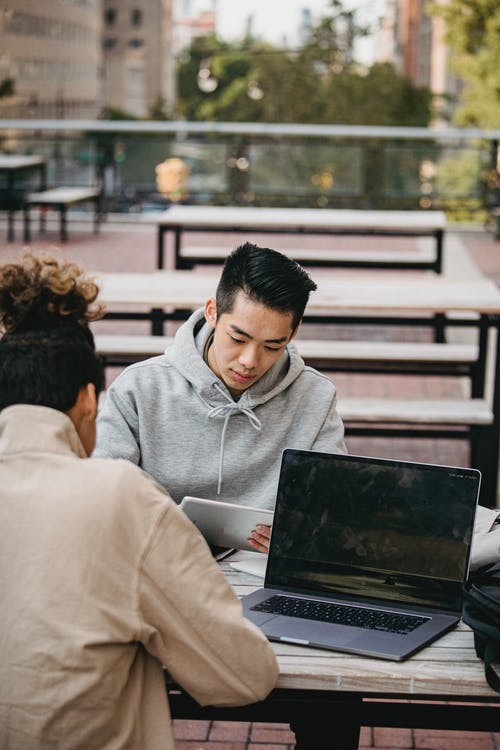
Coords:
pixel 144 366
pixel 315 381
pixel 144 372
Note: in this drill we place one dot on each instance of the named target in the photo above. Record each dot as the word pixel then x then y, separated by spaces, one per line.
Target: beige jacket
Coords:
pixel 102 579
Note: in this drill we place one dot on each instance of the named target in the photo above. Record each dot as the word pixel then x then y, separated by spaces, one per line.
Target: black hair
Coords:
pixel 265 276
pixel 47 368
pixel 47 353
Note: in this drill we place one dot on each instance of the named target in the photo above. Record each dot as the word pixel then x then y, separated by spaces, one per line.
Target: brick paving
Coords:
pixel 131 246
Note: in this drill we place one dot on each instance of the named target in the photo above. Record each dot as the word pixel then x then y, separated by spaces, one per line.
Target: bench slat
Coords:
pixel 219 254
pixel 366 410
pixel 472 411
pixel 374 351
pixel 66 195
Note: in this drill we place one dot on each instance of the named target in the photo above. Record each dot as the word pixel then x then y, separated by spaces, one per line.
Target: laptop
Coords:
pixel 367 555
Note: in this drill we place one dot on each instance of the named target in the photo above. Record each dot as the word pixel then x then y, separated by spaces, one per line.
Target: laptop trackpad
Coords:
pixel 307 630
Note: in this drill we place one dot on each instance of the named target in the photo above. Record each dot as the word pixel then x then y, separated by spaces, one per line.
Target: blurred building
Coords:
pixel 50 49
pixel 191 25
pixel 413 41
pixel 138 55
pixel 305 26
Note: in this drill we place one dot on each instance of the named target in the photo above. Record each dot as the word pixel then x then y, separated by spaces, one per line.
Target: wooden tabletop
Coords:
pixel 12 161
pixel 385 293
pixel 294 218
pixel 448 668
pixel 65 195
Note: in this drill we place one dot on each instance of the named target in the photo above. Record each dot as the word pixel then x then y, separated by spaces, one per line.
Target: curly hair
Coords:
pixel 42 292
pixel 47 352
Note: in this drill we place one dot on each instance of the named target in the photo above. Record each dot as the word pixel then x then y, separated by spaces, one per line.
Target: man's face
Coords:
pixel 247 341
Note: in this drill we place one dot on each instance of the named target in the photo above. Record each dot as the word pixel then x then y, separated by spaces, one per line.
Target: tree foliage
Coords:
pixel 473 35
pixel 318 83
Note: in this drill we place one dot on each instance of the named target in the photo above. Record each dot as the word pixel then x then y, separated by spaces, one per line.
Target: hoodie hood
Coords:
pixel 186 355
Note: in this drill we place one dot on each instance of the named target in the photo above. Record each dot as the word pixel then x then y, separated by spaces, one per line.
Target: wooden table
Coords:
pixel 171 295
pixel 60 199
pixel 326 696
pixel 12 166
pixel 335 295
pixel 304 221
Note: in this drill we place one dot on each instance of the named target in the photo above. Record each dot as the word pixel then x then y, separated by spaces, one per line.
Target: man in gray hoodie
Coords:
pixel 212 415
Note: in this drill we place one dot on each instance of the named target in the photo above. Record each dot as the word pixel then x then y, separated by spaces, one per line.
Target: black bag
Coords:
pixel 481 612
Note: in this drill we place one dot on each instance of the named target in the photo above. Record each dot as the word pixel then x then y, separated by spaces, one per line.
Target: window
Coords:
pixel 136 17
pixel 110 16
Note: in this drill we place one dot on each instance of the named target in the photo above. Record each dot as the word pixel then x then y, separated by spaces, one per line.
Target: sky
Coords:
pixel 277 20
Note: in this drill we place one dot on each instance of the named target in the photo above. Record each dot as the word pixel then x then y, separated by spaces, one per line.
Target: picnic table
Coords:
pixel 12 166
pixel 307 222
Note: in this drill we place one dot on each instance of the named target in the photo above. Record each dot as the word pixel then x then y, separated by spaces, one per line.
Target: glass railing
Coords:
pixel 270 164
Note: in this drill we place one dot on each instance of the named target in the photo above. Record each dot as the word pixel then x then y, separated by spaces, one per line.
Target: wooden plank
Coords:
pixel 67 195
pixel 317 349
pixel 132 345
pixel 14 162
pixel 351 294
pixel 303 255
pixel 306 218
pixel 472 411
pixel 387 351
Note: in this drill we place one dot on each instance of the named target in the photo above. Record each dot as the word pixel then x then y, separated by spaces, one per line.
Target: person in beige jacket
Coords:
pixel 103 580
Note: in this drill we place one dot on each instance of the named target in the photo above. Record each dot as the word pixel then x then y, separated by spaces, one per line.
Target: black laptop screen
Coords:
pixel 373 528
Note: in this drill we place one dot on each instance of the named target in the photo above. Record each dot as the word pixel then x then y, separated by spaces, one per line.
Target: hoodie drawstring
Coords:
pixel 228 409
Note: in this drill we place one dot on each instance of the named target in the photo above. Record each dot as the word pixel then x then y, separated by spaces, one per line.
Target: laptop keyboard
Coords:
pixel 340 614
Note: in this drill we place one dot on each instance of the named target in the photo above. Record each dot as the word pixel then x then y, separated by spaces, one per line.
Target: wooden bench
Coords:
pixel 60 199
pixel 443 411
pixel 360 356
pixel 422 258
pixel 251 220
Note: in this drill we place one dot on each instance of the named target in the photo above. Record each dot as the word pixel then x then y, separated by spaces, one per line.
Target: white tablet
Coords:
pixel 225 524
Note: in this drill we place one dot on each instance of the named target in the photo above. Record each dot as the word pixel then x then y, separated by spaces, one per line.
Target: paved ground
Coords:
pixel 130 245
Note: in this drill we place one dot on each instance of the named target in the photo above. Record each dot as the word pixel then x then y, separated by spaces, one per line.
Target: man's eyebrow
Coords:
pixel 282 340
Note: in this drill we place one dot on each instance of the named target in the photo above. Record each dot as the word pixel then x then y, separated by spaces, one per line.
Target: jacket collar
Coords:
pixel 38 429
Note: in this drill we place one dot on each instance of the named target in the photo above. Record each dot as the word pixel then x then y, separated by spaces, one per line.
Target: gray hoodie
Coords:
pixel 178 421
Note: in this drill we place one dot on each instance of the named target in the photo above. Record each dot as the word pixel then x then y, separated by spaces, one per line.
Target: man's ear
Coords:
pixel 294 333
pixel 211 312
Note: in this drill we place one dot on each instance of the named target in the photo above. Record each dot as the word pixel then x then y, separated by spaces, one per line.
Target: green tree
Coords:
pixel 473 35
pixel 381 97
pixel 224 63
pixel 331 41
pixel 319 83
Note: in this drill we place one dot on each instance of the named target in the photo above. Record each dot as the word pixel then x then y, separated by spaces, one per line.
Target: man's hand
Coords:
pixel 259 538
